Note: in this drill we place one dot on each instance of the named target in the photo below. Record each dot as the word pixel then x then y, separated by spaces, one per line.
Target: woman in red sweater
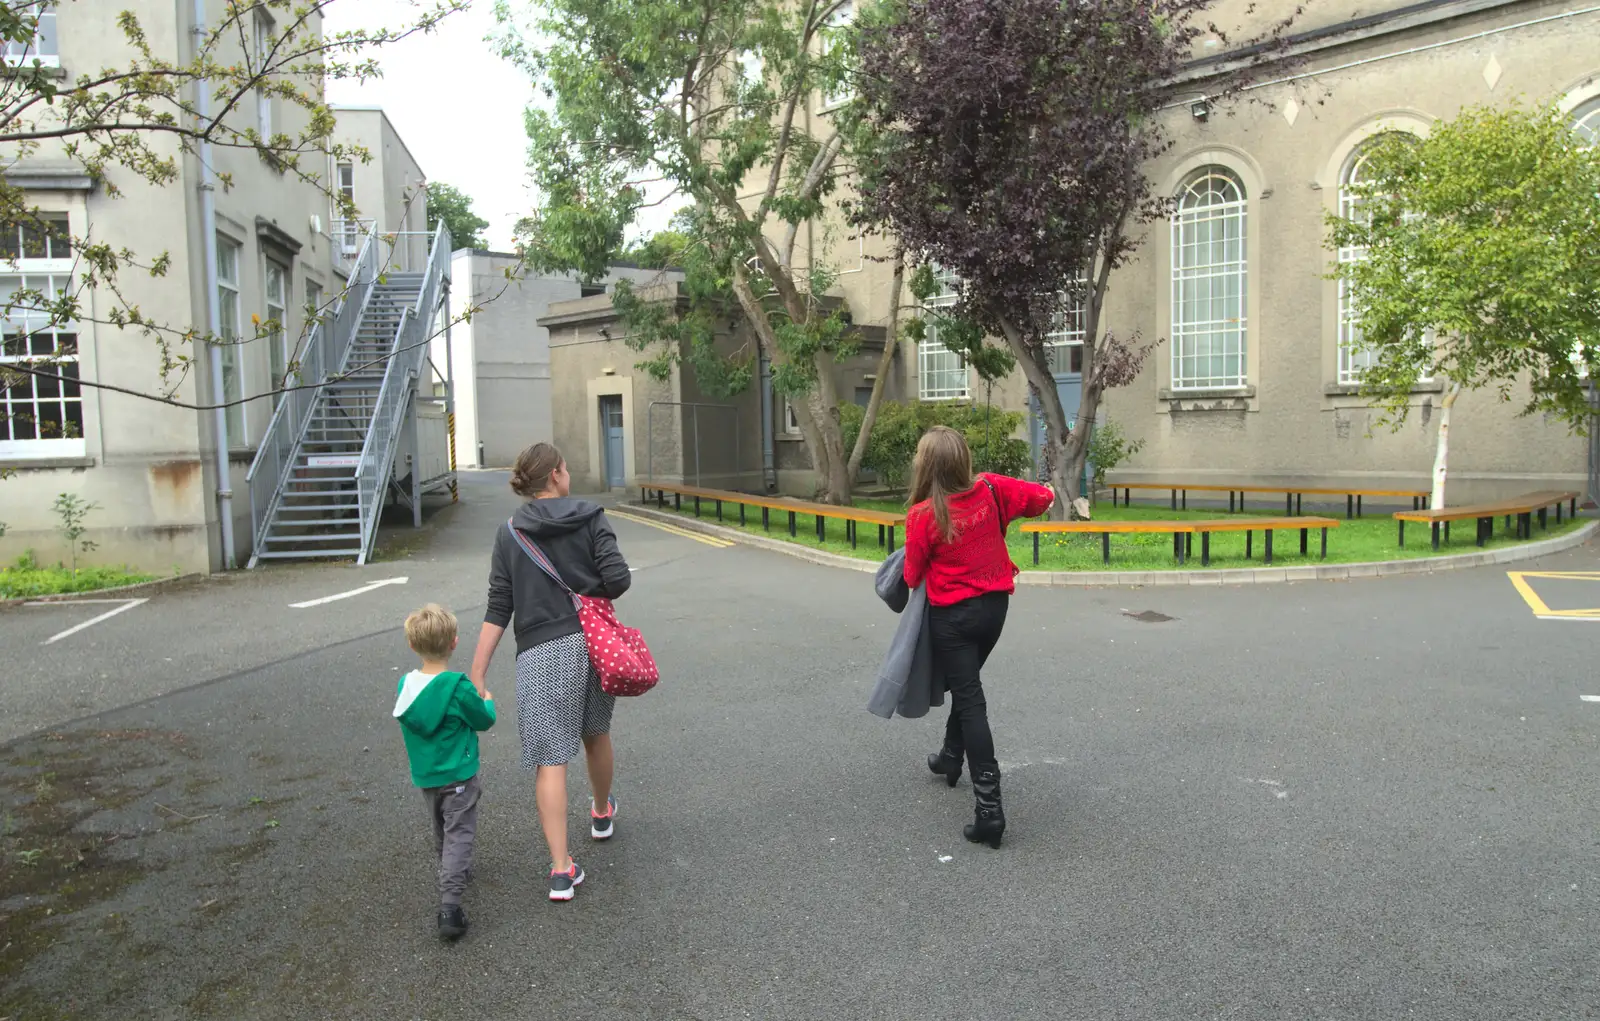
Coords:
pixel 955 543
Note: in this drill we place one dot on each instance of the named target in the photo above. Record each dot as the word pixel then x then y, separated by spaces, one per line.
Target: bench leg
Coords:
pixel 1349 506
pixel 1268 548
pixel 1177 546
pixel 1447 533
pixel 1036 549
pixel 1205 548
pixel 1127 497
pixel 661 499
pixel 1481 523
pixel 1402 535
pixel 1525 523
pixel 1249 541
pixel 822 528
pixel 1230 501
pixel 741 515
pixel 719 510
pixel 891 538
pixel 677 501
pixel 1188 544
pixel 1416 502
pixel 1185 499
pixel 1114 495
pixel 1105 546
pixel 791 524
pixel 1558 513
pixel 1358 505
pixel 1508 523
pixel 697 506
pixel 1299 503
pixel 850 526
pixel 1288 504
pixel 1544 518
pixel 766 519
pixel 1572 512
pixel 1304 537
pixel 1324 543
pixel 1174 499
pixel 880 535
pixel 1436 535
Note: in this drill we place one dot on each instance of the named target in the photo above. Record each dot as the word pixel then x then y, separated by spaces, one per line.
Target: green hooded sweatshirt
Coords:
pixel 440 716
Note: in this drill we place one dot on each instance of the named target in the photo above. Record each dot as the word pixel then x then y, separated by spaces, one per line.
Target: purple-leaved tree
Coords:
pixel 1008 141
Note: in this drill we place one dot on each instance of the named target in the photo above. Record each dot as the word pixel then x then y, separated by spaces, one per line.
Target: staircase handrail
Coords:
pixel 409 353
pixel 326 348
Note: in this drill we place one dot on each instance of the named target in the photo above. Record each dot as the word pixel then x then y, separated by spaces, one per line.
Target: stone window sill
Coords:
pixel 27 463
pixel 1212 394
pixel 1354 389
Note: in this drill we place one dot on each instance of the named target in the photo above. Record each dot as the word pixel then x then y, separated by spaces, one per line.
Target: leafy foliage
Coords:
pixel 705 104
pixel 1482 261
pixel 900 426
pixel 1007 141
pixel 1108 448
pixel 454 208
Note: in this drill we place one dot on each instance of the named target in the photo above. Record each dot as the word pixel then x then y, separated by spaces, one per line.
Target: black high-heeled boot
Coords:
pixel 947 764
pixel 989 818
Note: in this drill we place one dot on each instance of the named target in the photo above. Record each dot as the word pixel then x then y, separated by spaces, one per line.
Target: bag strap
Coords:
pixel 536 554
pixel 999 511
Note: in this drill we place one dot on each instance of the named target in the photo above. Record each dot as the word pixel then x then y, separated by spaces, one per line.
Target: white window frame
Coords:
pixel 349 227
pixel 51 272
pixel 46 48
pixel 839 19
pixel 264 26
pixel 1067 331
pixel 230 254
pixel 1206 337
pixel 1353 361
pixel 938 367
pixel 276 307
pixel 791 422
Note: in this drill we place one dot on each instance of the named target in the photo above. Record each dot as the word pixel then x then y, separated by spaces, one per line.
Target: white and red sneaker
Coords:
pixel 564 885
pixel 601 826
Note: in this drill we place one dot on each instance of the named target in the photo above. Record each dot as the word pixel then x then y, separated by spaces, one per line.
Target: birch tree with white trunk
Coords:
pixel 1479 269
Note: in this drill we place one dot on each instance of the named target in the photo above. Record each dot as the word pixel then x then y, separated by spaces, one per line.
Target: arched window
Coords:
pixel 1586 121
pixel 1209 273
pixel 1352 360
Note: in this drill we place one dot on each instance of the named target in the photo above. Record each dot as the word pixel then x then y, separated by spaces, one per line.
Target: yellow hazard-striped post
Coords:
pixel 455 494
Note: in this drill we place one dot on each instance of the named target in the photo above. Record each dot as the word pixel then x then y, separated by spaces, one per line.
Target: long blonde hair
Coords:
pixel 941 469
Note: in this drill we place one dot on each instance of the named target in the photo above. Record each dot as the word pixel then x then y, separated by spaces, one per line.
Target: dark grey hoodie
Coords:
pixel 578 539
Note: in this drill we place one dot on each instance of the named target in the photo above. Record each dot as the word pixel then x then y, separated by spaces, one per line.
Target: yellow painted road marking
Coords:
pixel 709 540
pixel 1541 609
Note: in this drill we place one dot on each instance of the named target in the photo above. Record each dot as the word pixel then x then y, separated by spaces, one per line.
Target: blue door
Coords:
pixel 611 429
pixel 1069 387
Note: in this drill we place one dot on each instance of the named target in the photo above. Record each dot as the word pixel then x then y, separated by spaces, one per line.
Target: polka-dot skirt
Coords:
pixel 559 701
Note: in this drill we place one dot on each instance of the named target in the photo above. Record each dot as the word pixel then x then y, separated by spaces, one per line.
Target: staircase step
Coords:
pixel 297 554
pixel 310 508
pixel 303 522
pixel 318 537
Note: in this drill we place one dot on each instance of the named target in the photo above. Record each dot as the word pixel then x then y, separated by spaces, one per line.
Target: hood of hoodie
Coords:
pixel 557 515
pixel 423 700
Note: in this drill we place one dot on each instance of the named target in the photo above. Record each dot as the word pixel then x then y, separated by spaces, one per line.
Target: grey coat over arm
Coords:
pixel 907 681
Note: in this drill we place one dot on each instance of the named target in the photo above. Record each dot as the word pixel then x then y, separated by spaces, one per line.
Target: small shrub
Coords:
pixel 72 510
pixel 900 425
pixel 1108 448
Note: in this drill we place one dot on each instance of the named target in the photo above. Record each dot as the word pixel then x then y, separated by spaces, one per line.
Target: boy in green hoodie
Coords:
pixel 440 713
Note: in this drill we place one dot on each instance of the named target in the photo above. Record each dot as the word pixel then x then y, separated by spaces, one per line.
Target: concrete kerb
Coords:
pixel 1221 576
pixel 131 591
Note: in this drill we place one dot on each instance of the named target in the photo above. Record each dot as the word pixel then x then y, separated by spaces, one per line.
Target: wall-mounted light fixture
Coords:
pixel 1201 108
pixel 608 371
pixel 605 331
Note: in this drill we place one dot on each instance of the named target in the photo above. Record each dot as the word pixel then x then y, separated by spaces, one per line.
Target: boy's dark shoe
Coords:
pixel 452 922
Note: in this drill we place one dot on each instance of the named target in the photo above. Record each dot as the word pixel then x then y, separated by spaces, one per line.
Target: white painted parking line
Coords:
pixel 1590 698
pixel 346 595
pixel 127 604
pixel 1591 620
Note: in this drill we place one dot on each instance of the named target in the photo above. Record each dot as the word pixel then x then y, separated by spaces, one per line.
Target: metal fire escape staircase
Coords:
pixel 320 478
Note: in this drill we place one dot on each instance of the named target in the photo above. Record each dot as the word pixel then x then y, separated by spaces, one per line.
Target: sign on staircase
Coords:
pixel 333 461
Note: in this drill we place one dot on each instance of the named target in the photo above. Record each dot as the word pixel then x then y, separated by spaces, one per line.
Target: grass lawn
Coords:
pixel 26 580
pixel 1373 537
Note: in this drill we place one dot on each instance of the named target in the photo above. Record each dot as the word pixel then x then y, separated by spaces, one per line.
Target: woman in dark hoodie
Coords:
pixel 559 701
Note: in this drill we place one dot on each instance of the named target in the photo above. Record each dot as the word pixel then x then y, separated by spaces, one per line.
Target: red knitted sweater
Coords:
pixel 975 561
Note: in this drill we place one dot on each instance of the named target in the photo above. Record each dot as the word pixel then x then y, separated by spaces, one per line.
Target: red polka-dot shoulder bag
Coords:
pixel 618 652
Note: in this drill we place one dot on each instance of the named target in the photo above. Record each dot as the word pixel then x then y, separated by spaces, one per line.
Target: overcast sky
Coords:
pixel 456 103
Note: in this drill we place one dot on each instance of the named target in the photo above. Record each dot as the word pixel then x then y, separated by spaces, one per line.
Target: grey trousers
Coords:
pixel 454 812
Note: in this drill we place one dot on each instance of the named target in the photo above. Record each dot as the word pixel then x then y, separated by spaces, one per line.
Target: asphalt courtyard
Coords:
pixel 1343 800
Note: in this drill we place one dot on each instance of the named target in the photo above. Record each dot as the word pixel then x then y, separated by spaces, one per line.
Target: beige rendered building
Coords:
pixel 1255 381
pixel 152 470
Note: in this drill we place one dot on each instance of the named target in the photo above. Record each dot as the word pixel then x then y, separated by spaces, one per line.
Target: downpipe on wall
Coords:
pixel 208 228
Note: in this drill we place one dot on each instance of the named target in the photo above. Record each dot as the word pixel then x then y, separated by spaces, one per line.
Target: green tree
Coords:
pixel 1480 266
pixel 708 104
pixel 453 207
pixel 128 124
pixel 661 250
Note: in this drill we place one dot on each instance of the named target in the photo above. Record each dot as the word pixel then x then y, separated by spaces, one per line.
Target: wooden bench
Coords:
pixel 1521 509
pixel 1293 495
pixel 1183 533
pixel 887 521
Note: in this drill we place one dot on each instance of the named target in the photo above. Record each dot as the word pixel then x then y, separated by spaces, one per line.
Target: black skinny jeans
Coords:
pixel 963 636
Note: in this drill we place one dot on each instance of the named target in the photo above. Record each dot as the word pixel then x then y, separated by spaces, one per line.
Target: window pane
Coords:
pixel 1209 273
